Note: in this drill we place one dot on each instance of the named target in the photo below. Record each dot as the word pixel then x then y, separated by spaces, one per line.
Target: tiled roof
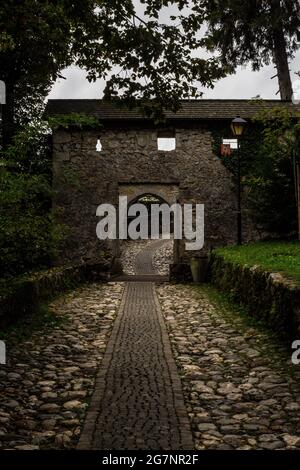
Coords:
pixel 190 109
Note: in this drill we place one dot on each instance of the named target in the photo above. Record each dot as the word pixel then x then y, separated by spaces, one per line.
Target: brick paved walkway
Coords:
pixel 138 401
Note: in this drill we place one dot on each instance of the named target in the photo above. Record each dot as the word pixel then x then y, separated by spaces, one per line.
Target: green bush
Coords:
pixel 270 300
pixel 271 182
pixel 28 236
pixel 269 153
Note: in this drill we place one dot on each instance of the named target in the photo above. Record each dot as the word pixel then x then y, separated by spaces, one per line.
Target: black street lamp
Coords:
pixel 238 126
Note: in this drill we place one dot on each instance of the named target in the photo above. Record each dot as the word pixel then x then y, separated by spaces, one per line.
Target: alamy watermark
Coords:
pixel 296 354
pixel 2 352
pixel 135 222
pixel 2 92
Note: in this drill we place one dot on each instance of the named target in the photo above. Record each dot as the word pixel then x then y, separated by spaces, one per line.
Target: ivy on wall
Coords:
pixel 267 151
pixel 249 145
pixel 78 120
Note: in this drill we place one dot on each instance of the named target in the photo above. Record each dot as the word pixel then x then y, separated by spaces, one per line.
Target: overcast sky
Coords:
pixel 244 84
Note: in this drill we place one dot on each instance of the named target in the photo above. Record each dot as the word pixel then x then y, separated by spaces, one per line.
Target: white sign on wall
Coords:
pixel 2 352
pixel 233 143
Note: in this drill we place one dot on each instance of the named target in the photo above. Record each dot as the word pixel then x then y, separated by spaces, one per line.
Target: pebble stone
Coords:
pixel 240 388
pixel 50 375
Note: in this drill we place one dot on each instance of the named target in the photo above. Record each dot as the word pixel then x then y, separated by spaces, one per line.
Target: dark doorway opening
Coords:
pixel 149 200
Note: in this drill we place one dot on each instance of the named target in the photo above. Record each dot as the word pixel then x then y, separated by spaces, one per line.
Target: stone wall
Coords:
pixel 85 178
pixel 24 296
pixel 270 298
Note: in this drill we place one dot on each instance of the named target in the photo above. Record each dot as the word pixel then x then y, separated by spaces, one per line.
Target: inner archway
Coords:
pixel 151 255
pixel 159 228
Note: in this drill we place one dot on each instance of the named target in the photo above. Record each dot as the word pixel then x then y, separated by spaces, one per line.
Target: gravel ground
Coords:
pixel 240 392
pixel 161 259
pixel 49 377
pixel 129 251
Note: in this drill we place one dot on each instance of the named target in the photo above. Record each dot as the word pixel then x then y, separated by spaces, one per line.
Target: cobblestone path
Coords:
pixel 240 387
pixel 145 366
pixel 50 373
pixel 138 401
pixel 144 259
pixel 147 257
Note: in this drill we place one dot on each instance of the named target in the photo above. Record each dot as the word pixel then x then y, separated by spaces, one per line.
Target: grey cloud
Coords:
pixel 244 84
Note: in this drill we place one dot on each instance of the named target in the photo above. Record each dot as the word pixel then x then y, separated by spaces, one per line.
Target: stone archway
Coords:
pixel 152 193
pixel 169 192
pixel 148 200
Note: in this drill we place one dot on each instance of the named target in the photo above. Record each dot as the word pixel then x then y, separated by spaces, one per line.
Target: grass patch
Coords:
pixel 239 317
pixel 275 256
pixel 231 309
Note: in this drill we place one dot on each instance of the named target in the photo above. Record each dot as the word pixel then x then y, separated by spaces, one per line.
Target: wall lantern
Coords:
pixel 237 126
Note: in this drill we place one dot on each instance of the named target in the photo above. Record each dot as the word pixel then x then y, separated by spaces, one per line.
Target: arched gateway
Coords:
pixel 149 203
pixel 151 195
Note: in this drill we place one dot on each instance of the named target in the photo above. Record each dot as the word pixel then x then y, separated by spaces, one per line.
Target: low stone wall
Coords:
pixel 269 297
pixel 23 296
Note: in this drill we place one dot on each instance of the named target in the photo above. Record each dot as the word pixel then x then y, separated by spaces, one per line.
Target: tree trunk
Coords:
pixel 284 79
pixel 280 54
pixel 282 65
